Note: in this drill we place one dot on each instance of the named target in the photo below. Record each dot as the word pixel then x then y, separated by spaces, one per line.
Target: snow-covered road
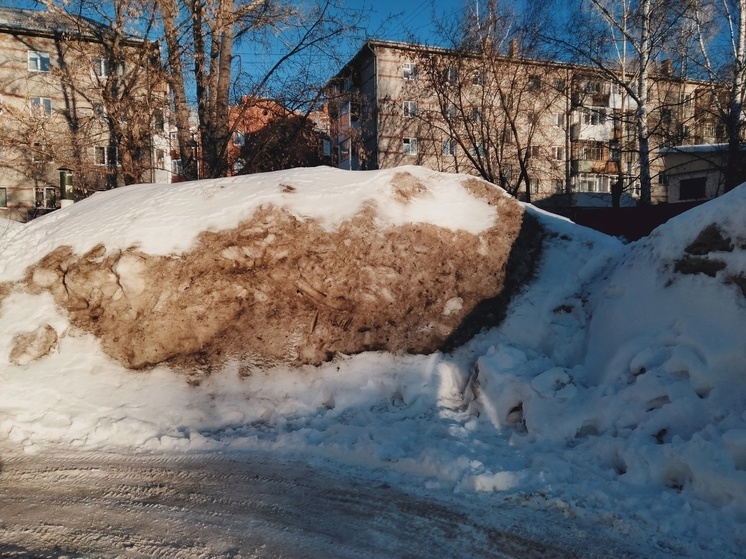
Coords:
pixel 98 505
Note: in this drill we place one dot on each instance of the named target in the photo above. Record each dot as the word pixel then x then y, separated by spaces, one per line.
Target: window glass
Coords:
pixel 38 61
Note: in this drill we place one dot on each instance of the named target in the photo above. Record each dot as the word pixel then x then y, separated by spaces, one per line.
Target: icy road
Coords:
pixel 95 505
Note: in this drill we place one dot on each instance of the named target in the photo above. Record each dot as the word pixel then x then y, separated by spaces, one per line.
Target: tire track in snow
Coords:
pixel 97 505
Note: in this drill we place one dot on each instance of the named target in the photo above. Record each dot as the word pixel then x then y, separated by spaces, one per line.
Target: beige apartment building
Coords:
pixel 553 133
pixel 79 112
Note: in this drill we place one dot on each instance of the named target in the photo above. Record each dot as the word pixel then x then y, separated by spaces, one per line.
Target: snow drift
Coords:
pixel 613 388
pixel 407 271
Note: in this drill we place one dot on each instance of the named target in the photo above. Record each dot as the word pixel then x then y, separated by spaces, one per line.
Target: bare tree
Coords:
pixel 719 31
pixel 622 40
pixel 120 78
pixel 487 101
pixel 208 30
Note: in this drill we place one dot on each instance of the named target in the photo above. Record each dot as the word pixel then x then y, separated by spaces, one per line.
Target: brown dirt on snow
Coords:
pixel 280 290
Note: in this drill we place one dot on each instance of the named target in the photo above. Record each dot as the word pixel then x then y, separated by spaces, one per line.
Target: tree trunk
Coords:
pixel 187 151
pixel 643 134
pixel 734 170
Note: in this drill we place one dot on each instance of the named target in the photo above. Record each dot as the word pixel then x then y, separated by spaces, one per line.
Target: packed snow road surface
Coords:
pixel 88 505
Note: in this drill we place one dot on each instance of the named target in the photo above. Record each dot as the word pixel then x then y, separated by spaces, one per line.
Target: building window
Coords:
pixel 692 189
pixel 533 151
pixel 594 116
pixel 507 172
pixel 450 75
pixel 159 121
pixel 559 186
pixel 559 84
pixel 410 109
pixel 102 68
pixel 449 147
pixel 108 156
pixel 533 185
pixel 39 153
pixel 591 153
pixel 409 146
pixel 46 198
pixel 558 153
pixel 344 150
pixel 409 71
pixel 99 110
pixel 558 120
pixel 478 150
pixel 3 197
pixel 177 167
pixel 451 112
pixel 593 86
pixel 239 138
pixel 615 151
pixel 160 159
pixel 534 82
pixel 477 77
pixel 38 61
pixel 41 105
pixel 476 114
pixel 588 185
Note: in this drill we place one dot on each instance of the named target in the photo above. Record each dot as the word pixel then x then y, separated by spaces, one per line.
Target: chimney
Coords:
pixel 513 48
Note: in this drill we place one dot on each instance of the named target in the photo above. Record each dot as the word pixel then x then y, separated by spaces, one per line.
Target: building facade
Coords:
pixel 547 132
pixel 81 111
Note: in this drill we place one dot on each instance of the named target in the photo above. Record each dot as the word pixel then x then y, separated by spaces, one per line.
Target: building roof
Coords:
pixel 39 22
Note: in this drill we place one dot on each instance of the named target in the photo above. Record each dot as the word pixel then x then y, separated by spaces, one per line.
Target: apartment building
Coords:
pixel 81 110
pixel 545 131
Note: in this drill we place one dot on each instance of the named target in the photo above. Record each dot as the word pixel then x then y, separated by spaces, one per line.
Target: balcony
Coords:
pixel 581 166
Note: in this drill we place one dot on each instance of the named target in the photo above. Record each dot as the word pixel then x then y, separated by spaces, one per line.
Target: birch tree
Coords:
pixel 720 35
pixel 627 38
pixel 487 100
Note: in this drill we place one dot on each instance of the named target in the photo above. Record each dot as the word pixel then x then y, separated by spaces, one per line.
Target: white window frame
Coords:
pixel 39 61
pixel 477 150
pixel 450 75
pixel 409 146
pixel 533 185
pixel 409 71
pixel 449 147
pixel 594 116
pixel 410 109
pixel 39 154
pixel 47 195
pixel 102 68
pixel 106 152
pixel 41 105
pixel 558 153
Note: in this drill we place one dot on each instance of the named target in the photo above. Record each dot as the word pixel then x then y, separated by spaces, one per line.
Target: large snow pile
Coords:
pixel 614 389
pixel 294 273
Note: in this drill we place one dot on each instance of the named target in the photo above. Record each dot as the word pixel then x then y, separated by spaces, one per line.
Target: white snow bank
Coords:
pixel 615 389
pixel 642 371
pixel 166 219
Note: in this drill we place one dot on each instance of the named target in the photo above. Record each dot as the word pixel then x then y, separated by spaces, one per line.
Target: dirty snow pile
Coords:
pixel 614 390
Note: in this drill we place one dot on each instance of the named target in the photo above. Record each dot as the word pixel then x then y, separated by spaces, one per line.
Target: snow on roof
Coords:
pixel 45 22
